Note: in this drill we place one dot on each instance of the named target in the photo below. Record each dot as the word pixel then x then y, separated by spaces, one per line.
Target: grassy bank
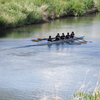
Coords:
pixel 84 92
pixel 88 95
pixel 16 13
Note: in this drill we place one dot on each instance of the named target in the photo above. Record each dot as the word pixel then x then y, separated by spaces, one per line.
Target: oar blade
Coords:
pixel 35 40
pixel 42 38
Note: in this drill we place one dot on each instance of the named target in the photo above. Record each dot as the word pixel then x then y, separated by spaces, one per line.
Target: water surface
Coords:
pixel 39 72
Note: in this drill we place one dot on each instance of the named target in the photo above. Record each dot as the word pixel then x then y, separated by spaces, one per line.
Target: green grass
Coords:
pixel 97 3
pixel 16 13
pixel 87 94
pixel 95 95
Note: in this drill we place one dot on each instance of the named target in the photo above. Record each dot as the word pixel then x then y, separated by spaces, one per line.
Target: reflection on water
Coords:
pixel 29 72
pixel 88 25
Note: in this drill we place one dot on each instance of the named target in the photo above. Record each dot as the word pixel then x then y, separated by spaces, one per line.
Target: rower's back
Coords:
pixel 63 36
pixel 57 38
pixel 50 39
pixel 72 35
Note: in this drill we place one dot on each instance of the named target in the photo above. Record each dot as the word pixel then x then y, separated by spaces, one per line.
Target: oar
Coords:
pixel 74 41
pixel 44 38
pixel 80 41
pixel 39 39
pixel 36 40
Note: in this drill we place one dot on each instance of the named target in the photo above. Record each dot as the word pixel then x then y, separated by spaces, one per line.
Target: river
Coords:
pixel 53 71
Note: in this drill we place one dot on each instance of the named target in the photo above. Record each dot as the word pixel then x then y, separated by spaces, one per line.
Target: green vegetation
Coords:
pixel 16 13
pixel 97 4
pixel 87 92
pixel 87 96
pixel 94 95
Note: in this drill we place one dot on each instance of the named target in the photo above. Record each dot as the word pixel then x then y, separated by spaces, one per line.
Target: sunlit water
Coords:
pixel 49 71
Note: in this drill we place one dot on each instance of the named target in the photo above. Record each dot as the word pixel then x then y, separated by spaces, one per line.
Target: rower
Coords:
pixel 72 35
pixel 50 39
pixel 57 38
pixel 67 36
pixel 63 36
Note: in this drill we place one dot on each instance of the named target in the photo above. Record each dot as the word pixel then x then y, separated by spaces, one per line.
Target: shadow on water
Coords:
pixel 49 45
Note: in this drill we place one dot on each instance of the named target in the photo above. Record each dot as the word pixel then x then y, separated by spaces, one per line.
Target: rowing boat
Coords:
pixel 71 40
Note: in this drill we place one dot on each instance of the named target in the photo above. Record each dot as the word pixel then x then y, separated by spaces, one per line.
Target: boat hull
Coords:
pixel 61 41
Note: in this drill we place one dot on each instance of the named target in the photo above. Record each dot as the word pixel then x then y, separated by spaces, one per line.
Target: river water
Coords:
pixel 49 72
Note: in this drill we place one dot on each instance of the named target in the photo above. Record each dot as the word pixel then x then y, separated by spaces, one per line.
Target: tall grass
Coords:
pixel 92 95
pixel 15 13
pixel 97 4
pixel 83 95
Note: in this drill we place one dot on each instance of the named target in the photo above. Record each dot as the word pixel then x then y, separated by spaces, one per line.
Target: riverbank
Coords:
pixel 16 13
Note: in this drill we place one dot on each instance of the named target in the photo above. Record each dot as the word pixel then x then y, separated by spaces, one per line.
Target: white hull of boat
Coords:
pixel 61 41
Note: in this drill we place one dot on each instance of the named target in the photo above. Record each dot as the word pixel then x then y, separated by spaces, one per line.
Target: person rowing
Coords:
pixel 72 35
pixel 57 38
pixel 63 36
pixel 67 36
pixel 49 39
